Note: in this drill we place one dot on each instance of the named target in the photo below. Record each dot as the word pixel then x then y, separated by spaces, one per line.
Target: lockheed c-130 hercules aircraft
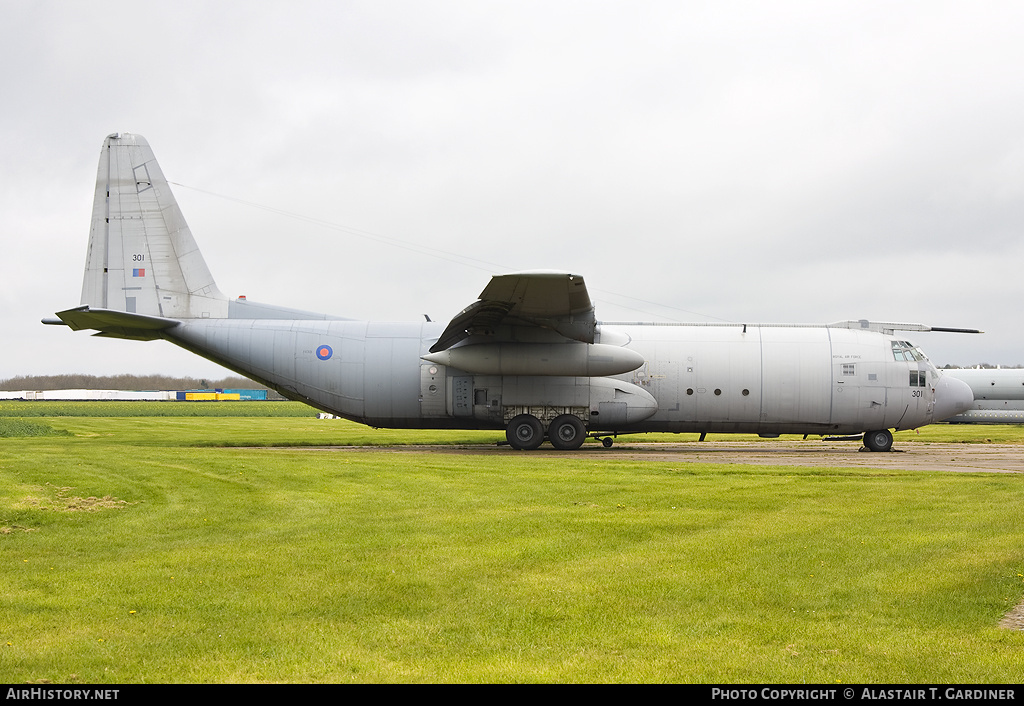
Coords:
pixel 528 357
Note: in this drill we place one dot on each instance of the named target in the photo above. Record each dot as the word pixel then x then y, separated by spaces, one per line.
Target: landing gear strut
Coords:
pixel 880 440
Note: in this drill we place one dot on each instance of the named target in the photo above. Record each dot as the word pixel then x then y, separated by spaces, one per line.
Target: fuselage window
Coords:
pixel 849 368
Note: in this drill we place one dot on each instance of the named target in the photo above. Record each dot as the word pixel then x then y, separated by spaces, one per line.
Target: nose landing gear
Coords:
pixel 880 440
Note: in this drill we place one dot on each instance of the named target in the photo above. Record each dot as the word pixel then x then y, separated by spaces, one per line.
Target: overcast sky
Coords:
pixel 694 161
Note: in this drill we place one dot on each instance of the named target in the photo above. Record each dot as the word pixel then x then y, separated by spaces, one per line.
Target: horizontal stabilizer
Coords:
pixel 115 324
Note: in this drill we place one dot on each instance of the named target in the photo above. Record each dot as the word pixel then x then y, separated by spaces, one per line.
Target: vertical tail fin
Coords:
pixel 142 257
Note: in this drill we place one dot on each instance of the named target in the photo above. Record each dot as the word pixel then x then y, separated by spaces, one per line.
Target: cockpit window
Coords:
pixel 906 351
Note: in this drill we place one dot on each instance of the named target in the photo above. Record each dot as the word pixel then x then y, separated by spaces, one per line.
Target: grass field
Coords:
pixel 175 549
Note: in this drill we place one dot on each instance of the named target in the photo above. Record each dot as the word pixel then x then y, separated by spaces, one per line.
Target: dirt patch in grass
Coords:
pixel 60 500
pixel 1014 620
pixel 16 528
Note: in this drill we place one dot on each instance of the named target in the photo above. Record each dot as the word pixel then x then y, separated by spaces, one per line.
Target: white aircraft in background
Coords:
pixel 998 395
pixel 528 356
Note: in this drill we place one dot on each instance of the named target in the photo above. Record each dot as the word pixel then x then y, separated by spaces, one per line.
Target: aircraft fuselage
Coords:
pixel 752 379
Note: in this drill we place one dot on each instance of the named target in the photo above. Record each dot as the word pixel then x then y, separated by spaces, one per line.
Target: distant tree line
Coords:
pixel 985 366
pixel 128 382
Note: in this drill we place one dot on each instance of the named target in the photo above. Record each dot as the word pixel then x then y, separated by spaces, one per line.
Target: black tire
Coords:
pixel 606 442
pixel 566 432
pixel 880 440
pixel 524 432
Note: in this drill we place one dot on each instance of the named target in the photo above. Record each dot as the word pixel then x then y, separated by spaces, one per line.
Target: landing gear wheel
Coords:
pixel 524 432
pixel 880 440
pixel 606 442
pixel 566 432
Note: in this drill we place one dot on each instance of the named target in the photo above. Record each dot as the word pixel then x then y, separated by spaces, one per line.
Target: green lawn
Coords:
pixel 143 550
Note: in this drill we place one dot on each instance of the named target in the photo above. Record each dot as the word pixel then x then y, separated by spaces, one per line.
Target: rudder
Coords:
pixel 142 257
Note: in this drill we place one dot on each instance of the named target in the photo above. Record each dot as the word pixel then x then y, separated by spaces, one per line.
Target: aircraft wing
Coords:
pixel 556 301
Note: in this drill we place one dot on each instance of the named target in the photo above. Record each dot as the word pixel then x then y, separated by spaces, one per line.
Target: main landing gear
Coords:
pixel 525 432
pixel 566 433
pixel 880 440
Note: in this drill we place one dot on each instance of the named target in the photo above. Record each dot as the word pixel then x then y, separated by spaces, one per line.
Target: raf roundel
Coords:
pixel 324 352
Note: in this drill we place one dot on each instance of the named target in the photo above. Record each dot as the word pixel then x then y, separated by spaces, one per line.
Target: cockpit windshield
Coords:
pixel 906 351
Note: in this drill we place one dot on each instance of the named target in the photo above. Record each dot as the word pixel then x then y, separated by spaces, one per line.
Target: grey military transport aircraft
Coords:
pixel 528 356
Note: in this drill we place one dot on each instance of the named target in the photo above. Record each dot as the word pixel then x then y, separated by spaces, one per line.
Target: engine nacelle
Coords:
pixel 556 359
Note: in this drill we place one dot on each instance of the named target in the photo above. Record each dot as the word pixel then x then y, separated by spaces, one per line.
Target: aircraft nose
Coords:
pixel 952 397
